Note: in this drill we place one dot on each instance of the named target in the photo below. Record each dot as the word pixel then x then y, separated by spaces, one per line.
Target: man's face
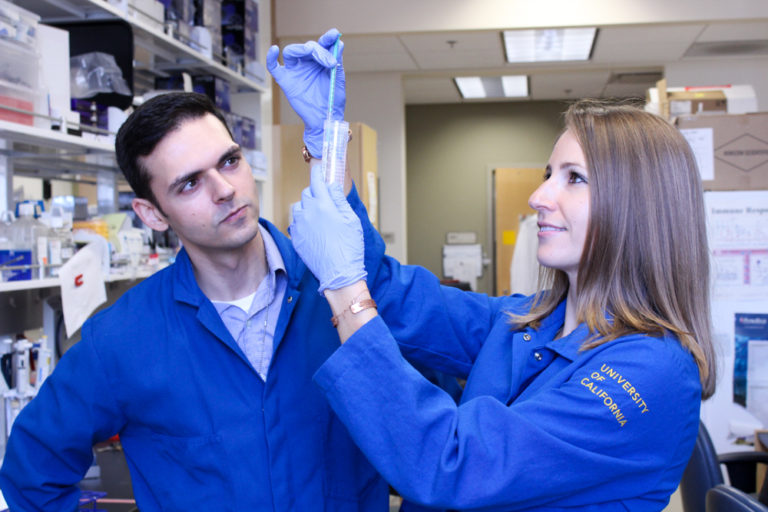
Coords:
pixel 204 188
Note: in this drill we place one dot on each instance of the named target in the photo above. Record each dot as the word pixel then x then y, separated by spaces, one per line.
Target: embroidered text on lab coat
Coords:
pixel 606 372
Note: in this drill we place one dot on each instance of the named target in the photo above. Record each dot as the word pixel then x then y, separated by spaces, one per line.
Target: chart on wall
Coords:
pixel 738 242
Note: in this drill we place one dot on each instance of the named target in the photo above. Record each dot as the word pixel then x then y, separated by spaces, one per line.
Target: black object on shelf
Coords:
pixel 114 37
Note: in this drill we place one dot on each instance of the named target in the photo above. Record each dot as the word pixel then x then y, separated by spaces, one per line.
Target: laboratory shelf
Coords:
pixel 55 282
pixel 45 153
pixel 171 54
pixel 42 137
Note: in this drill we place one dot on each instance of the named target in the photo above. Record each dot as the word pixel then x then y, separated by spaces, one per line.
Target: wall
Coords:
pixel 451 150
pixel 376 99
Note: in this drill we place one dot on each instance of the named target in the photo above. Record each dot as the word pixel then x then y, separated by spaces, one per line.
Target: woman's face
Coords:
pixel 562 204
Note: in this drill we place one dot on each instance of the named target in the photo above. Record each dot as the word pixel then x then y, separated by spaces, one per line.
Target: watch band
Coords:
pixel 305 154
pixel 355 308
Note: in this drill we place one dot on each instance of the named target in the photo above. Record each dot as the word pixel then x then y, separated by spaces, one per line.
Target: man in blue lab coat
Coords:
pixel 205 368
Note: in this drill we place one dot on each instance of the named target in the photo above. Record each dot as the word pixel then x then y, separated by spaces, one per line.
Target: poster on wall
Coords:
pixel 750 369
pixel 737 225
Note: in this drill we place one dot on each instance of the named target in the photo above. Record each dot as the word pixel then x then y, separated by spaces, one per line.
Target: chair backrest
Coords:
pixel 724 498
pixel 702 473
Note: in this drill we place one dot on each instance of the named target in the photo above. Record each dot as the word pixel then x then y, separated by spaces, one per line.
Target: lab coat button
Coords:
pixel 537 356
pixel 527 337
pixel 290 299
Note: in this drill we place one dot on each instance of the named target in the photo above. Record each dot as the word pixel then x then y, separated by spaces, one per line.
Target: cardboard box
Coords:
pixel 670 102
pixel 739 149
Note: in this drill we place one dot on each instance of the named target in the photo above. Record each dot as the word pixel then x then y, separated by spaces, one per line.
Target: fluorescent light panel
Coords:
pixel 470 86
pixel 515 86
pixel 510 86
pixel 547 45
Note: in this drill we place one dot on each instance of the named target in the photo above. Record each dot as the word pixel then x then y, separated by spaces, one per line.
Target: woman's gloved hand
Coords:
pixel 327 234
pixel 305 79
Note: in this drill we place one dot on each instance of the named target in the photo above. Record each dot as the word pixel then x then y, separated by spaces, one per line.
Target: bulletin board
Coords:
pixel 737 225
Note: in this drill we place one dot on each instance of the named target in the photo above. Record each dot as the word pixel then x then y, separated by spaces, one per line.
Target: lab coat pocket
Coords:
pixel 203 470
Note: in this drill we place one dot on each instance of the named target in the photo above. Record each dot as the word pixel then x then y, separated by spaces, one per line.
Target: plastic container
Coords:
pixel 15 261
pixel 18 24
pixel 61 245
pixel 30 234
pixel 335 139
pixel 19 78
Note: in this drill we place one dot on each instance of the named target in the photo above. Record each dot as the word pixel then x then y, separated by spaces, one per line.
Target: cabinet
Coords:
pixel 37 152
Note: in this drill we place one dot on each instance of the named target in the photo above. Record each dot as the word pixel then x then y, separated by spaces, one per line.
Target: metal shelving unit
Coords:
pixel 47 154
pixel 170 54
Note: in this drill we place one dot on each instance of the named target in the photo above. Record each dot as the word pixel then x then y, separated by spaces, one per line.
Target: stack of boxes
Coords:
pixel 724 128
pixel 207 13
pixel 240 30
pixel 231 25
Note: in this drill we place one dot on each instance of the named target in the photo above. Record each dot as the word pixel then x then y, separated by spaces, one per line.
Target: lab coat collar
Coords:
pixel 186 289
pixel 570 345
pixel 567 346
pixel 294 266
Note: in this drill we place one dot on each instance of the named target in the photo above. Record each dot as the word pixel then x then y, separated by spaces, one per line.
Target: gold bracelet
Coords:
pixel 356 307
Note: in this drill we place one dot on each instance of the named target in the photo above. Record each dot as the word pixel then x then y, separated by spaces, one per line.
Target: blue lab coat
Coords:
pixel 541 425
pixel 200 429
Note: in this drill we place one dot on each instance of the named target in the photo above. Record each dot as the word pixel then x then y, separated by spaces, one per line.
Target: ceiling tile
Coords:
pixel 457 50
pixel 644 44
pixel 549 86
pixel 376 53
pixel 430 90
pixel 746 31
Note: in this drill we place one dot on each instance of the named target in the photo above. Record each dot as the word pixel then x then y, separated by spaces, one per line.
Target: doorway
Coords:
pixel 511 188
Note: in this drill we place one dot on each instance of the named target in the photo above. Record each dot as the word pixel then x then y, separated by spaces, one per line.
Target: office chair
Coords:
pixel 725 498
pixel 703 472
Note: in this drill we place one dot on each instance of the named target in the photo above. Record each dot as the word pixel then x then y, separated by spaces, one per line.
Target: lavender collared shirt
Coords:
pixel 248 328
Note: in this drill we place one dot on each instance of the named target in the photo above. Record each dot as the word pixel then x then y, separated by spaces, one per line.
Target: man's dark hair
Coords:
pixel 148 125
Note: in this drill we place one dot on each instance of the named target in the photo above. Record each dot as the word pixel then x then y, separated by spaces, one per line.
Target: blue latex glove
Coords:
pixel 327 234
pixel 305 80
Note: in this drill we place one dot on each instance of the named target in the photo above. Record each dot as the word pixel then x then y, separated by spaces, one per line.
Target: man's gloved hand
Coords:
pixel 305 80
pixel 327 234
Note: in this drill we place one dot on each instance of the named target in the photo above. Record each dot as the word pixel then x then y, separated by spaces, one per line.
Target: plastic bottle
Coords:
pixel 29 233
pixel 21 365
pixel 43 361
pixel 61 245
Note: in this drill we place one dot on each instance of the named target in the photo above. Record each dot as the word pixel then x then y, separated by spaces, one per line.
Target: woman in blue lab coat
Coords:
pixel 585 395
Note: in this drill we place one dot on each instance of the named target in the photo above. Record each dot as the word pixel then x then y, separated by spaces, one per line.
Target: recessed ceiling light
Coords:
pixel 509 86
pixel 546 45
pixel 470 86
pixel 515 86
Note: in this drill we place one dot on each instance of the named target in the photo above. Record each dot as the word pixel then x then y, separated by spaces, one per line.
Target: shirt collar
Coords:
pixel 185 285
pixel 274 258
